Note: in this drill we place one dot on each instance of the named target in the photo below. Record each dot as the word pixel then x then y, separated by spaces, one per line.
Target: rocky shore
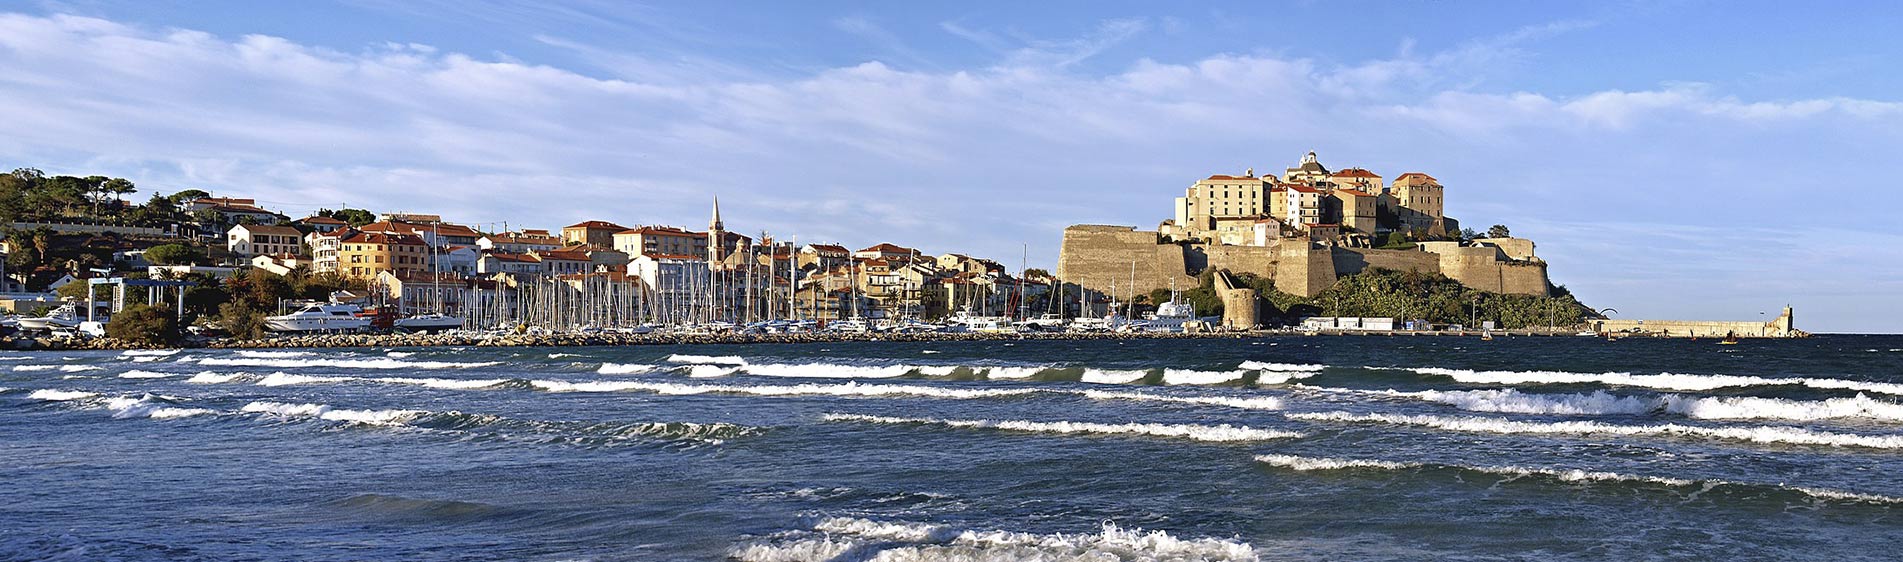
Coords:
pixel 608 339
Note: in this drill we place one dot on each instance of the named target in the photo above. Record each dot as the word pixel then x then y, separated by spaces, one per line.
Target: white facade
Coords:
pixel 262 240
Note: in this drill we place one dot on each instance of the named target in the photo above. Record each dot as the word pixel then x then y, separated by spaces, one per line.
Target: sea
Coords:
pixel 1279 448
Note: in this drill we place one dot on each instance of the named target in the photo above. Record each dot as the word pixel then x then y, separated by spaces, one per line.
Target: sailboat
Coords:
pixel 1731 338
pixel 435 320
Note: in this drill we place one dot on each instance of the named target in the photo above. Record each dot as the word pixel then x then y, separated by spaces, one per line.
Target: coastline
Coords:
pixel 602 340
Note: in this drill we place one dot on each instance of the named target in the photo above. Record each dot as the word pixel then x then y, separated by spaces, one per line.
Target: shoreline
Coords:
pixel 319 341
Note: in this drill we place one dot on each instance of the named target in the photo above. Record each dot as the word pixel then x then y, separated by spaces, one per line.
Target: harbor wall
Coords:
pixel 1781 327
pixel 1101 256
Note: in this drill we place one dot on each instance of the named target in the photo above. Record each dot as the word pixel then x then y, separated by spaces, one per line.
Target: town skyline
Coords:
pixel 1663 189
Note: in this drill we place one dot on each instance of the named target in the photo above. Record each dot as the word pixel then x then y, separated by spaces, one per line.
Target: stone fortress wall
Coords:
pixel 1098 256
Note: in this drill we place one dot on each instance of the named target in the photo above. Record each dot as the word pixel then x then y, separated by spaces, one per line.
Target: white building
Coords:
pixel 263 240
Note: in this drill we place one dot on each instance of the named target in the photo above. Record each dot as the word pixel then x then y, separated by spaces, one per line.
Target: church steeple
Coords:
pixel 716 225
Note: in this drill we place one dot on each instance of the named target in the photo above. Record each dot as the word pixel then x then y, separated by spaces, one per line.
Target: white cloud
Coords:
pixel 975 160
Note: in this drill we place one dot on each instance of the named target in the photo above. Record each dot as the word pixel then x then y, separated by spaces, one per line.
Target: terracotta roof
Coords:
pixel 889 249
pixel 660 230
pixel 1353 192
pixel 569 255
pixel 442 229
pixel 1220 177
pixel 595 224
pixel 270 229
pixel 1304 189
pixel 382 238
pixel 1355 173
pixel 662 256
pixel 320 220
pixel 1416 174
pixel 511 257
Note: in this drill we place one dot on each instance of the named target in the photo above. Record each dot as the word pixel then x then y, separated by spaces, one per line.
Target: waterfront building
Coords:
pixel 248 240
pixel 363 255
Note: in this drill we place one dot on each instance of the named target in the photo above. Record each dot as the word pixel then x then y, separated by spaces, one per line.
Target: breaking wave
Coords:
pixel 287 379
pixel 31 368
pixel 214 377
pixel 326 412
pixel 1252 403
pixel 1697 407
pixel 149 352
pixel 273 354
pixel 1754 434
pixel 1186 376
pixel 845 389
pixel 138 374
pixel 60 368
pixel 150 406
pixel 845 539
pixel 706 359
pixel 1665 381
pixel 623 368
pixel 60 395
pixel 1224 432
pixel 1563 475
pixel 381 363
pixel 1102 376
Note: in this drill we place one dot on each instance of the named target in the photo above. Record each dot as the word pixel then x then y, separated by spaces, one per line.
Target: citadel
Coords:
pixel 1303 230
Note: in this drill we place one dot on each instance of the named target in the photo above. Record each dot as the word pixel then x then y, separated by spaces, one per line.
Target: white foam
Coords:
pixel 1248 403
pixel 324 411
pixel 138 374
pixel 1224 432
pixel 78 368
pixel 1186 376
pixel 1012 372
pixel 379 363
pixel 842 538
pixel 623 368
pixel 710 371
pixel 562 355
pixel 149 352
pixel 1103 376
pixel 61 395
pixel 452 384
pixel 150 407
pixel 1318 463
pixel 706 359
pixel 287 379
pixel 1666 381
pixel 147 359
pixel 826 370
pixel 1283 377
pixel 273 354
pixel 844 389
pixel 400 354
pixel 1281 367
pixel 31 368
pixel 213 377
pixel 1755 434
pixel 1561 474
pixel 1697 407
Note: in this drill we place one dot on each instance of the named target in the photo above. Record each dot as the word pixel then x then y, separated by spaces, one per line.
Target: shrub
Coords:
pixel 173 254
pixel 153 325
pixel 241 321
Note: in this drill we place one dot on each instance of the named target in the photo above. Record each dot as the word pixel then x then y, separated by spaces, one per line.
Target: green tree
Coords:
pixel 188 195
pixel 355 217
pixel 173 254
pixel 151 325
pixel 241 321
pixel 1499 231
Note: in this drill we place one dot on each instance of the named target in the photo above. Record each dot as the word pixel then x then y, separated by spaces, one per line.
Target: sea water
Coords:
pixel 1292 448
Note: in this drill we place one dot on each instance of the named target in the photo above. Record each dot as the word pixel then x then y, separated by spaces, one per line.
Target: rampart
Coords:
pixel 1099 256
pixel 1781 327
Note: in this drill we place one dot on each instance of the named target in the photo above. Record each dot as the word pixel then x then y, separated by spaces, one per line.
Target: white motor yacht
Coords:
pixel 67 316
pixel 430 322
pixel 318 318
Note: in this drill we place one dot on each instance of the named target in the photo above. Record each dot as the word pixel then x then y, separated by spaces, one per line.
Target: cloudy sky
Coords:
pixel 1673 159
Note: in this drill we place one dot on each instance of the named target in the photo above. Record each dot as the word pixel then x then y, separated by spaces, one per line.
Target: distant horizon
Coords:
pixel 1670 172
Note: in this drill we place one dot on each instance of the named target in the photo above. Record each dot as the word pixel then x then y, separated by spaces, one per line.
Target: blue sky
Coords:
pixel 1672 159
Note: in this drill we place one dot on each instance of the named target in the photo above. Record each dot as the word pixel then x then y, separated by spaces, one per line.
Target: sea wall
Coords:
pixel 1100 256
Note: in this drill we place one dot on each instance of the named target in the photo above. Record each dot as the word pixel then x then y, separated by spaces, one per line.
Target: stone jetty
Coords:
pixel 603 339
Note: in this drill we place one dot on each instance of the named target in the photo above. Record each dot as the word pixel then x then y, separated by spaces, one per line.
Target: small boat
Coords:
pixel 318 318
pixel 65 317
pixel 430 322
pixel 1730 339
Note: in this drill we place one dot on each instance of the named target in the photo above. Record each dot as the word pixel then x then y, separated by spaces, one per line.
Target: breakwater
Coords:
pixel 605 339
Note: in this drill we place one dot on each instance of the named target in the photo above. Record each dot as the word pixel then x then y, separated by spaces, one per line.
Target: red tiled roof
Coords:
pixel 1353 192
pixel 382 238
pixel 1355 173
pixel 1220 177
pixel 1304 189
pixel 569 255
pixel 1421 175
pixel 269 229
pixel 595 224
pixel 512 257
pixel 890 249
pixel 664 230
pixel 320 220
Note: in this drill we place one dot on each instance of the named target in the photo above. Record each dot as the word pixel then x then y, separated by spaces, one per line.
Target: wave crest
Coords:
pixel 1754 434
pixel 845 538
pixel 1219 433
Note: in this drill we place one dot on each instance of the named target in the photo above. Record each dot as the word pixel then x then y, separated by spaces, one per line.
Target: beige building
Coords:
pixel 594 233
pixel 660 240
pixel 1357 179
pixel 1420 194
pixel 363 255
pixel 1309 172
pixel 1220 196
pixel 1354 210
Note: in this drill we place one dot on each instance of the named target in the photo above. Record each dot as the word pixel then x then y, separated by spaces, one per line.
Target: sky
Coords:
pixel 1673 160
